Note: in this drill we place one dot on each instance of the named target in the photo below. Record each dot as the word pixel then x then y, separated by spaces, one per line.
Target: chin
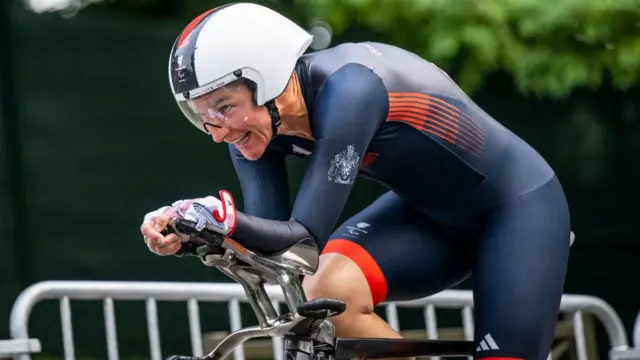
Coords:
pixel 253 153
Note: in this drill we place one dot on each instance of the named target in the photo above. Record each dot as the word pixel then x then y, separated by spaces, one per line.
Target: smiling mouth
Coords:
pixel 241 140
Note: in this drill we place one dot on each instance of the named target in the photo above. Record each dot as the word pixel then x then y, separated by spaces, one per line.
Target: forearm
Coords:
pixel 264 184
pixel 268 236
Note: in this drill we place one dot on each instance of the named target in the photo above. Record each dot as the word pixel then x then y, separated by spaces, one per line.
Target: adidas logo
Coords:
pixel 487 343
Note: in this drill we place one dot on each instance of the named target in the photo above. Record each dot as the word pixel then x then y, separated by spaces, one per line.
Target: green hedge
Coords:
pixel 551 47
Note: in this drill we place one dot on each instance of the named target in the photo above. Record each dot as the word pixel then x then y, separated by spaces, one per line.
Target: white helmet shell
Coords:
pixel 239 40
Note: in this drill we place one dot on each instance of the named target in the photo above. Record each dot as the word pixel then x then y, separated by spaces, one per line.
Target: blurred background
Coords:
pixel 91 138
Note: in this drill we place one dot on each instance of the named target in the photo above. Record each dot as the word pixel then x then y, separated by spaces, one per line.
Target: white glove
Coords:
pixel 151 217
pixel 209 212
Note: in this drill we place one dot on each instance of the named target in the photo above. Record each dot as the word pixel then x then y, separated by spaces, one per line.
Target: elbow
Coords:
pixel 302 232
pixel 270 236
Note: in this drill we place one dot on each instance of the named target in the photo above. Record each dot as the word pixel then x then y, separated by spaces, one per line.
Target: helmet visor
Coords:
pixel 230 106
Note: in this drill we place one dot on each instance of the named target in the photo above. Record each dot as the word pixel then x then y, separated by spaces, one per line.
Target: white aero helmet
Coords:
pixel 231 42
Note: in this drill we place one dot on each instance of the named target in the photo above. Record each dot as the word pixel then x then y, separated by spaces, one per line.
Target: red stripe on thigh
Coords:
pixel 367 264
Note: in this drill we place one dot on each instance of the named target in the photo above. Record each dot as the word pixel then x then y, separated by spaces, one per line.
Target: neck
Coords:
pixel 293 111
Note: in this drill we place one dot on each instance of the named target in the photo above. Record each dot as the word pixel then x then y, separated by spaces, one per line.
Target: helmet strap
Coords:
pixel 270 105
pixel 275 117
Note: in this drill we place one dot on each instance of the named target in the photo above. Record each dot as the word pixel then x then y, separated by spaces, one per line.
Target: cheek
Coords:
pixel 259 120
pixel 259 142
pixel 256 147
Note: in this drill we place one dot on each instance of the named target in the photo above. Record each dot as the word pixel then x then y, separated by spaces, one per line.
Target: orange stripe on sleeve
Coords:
pixel 437 117
pixel 451 126
pixel 445 132
pixel 443 105
pixel 422 125
pixel 437 106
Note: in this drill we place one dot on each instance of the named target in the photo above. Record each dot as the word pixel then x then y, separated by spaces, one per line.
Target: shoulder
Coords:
pixel 351 99
pixel 353 85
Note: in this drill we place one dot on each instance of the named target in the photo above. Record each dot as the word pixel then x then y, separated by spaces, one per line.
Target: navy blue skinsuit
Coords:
pixel 466 195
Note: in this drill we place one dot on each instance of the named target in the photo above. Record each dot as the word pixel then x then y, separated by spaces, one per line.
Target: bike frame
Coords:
pixel 305 329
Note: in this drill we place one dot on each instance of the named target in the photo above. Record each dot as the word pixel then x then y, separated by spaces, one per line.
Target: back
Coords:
pixel 464 152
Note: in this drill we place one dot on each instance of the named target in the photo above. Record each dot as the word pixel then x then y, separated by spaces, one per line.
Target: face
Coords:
pixel 231 116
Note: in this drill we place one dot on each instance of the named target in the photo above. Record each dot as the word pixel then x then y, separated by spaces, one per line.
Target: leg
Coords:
pixel 386 252
pixel 519 278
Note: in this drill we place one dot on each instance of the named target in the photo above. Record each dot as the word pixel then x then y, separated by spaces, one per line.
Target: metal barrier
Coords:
pixel 633 353
pixel 636 332
pixel 193 293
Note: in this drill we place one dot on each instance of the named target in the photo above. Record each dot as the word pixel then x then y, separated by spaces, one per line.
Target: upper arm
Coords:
pixel 264 184
pixel 350 107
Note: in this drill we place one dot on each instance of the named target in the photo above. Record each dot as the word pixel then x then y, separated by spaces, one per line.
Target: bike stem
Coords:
pixel 253 278
pixel 292 290
pixel 253 285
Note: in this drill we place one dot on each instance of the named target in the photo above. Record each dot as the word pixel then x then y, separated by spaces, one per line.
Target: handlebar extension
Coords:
pixel 210 242
pixel 321 308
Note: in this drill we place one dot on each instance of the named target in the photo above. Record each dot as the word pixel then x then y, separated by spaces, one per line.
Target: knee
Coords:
pixel 339 277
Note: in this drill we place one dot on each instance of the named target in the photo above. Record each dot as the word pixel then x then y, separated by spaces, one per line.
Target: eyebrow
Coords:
pixel 221 99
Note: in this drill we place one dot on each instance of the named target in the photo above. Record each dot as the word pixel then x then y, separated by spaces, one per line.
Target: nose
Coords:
pixel 218 134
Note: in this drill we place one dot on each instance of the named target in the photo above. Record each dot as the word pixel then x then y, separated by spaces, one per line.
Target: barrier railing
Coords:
pixel 636 332
pixel 233 294
pixel 633 353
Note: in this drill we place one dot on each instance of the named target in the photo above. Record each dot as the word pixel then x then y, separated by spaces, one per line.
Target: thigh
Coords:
pixel 519 277
pixel 402 254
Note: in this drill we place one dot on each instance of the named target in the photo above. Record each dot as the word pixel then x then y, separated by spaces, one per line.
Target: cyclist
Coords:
pixel 466 195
